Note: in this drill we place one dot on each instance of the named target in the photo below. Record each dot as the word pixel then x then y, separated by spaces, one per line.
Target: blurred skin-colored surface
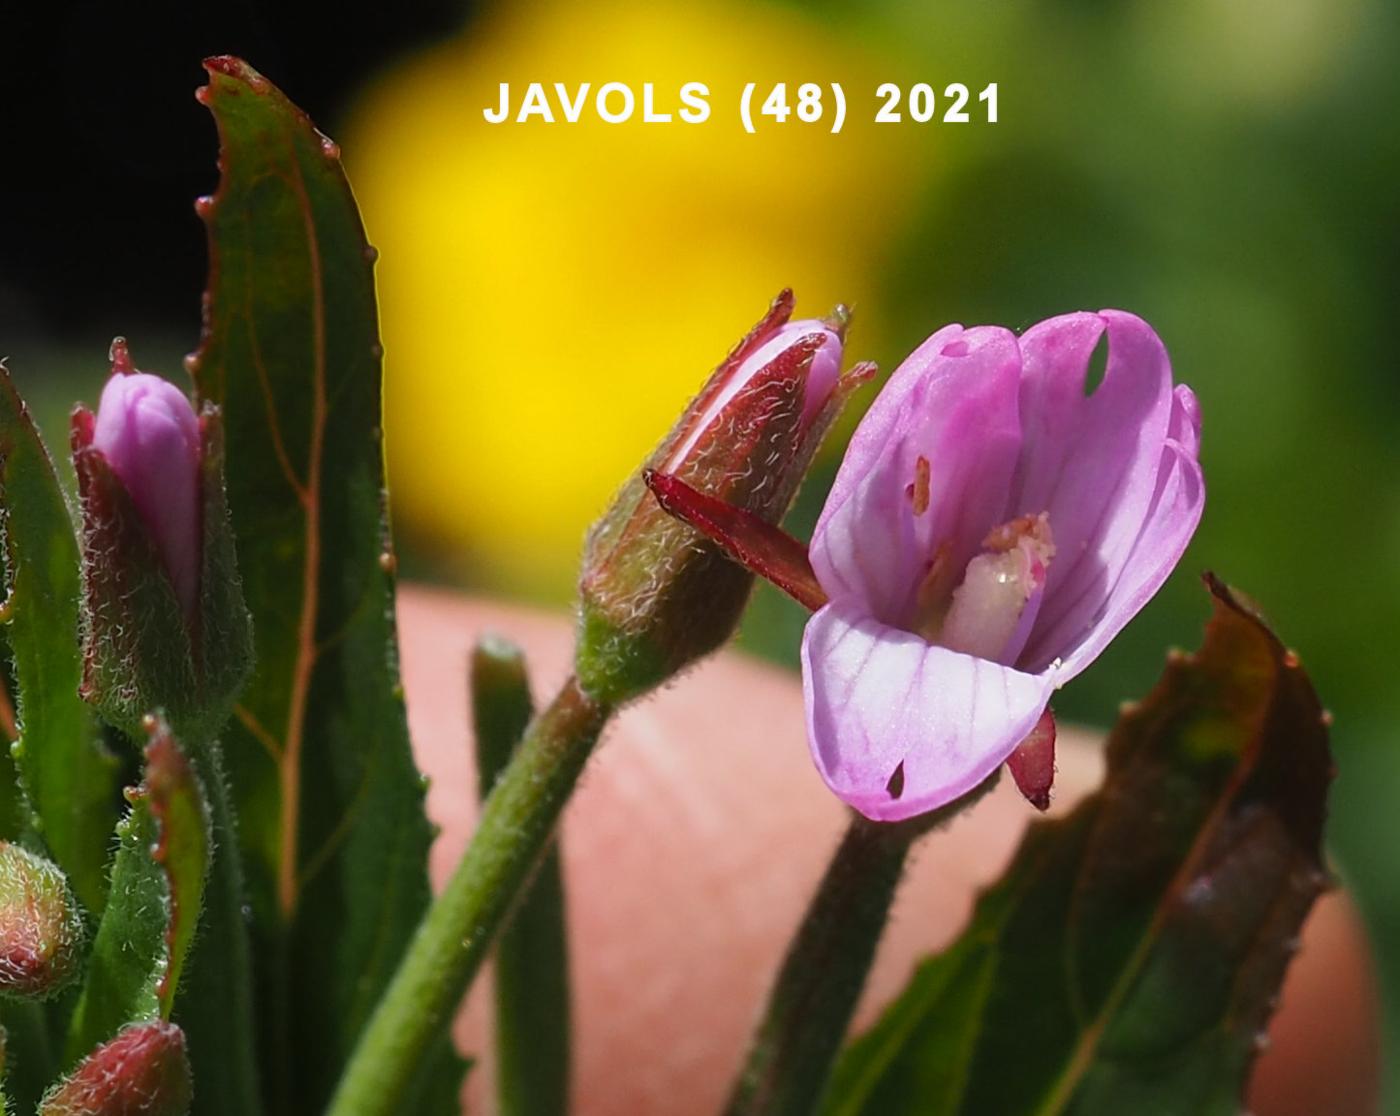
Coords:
pixel 693 845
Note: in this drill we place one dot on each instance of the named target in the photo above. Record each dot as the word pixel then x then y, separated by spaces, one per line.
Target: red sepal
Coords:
pixel 1032 764
pixel 754 543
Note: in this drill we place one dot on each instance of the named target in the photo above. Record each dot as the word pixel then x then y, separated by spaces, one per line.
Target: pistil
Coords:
pixel 990 614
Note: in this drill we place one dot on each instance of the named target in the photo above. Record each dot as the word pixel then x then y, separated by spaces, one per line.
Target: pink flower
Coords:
pixel 148 433
pixel 991 529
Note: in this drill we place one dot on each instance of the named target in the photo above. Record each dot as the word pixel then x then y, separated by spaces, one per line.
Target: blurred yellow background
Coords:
pixel 552 294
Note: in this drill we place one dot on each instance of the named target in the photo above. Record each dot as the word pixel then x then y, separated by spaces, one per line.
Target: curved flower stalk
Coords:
pixel 991 529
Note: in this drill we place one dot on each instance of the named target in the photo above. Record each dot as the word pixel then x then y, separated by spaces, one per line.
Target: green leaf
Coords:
pixel 70 778
pixel 329 800
pixel 181 813
pixel 531 973
pixel 30 1058
pixel 16 816
pixel 1129 959
pixel 128 953
pixel 157 894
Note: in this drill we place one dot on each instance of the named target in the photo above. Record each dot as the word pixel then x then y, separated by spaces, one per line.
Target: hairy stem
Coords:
pixel 217 987
pixel 447 950
pixel 823 973
pixel 810 1007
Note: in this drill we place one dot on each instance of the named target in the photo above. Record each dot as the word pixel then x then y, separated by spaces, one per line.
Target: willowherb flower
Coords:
pixel 991 528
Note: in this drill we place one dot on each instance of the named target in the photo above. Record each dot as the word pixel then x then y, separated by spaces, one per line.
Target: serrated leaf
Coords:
pixel 128 955
pixel 16 816
pixel 70 778
pixel 330 803
pixel 1130 956
pixel 183 847
pixel 157 893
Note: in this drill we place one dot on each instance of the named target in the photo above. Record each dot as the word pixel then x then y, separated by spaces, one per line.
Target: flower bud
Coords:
pixel 164 623
pixel 41 928
pixel 144 1071
pixel 148 432
pixel 655 594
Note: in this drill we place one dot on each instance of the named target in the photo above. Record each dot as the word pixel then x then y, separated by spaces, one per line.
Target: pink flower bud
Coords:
pixel 655 595
pixel 164 625
pixel 142 1072
pixel 41 928
pixel 748 376
pixel 149 434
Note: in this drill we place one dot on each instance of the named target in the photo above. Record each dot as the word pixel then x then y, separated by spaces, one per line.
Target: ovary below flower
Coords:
pixel 991 528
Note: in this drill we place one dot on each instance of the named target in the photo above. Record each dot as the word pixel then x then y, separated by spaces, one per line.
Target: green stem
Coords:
pixel 531 965
pixel 451 941
pixel 810 1007
pixel 218 984
pixel 31 1051
pixel 811 1004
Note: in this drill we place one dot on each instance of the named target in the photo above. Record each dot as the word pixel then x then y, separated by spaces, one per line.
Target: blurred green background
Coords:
pixel 1227 169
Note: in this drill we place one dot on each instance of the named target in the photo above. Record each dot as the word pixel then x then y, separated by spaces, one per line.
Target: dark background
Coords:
pixel 105 147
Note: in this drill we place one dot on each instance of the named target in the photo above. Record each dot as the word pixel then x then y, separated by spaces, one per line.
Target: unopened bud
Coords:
pixel 655 594
pixel 149 434
pixel 41 928
pixel 142 1072
pixel 164 623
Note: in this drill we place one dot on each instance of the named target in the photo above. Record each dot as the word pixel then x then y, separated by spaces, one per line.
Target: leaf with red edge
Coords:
pixel 329 801
pixel 158 879
pixel 1130 957
pixel 182 849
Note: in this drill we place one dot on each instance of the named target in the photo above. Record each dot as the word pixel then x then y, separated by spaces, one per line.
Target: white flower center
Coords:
pixel 990 612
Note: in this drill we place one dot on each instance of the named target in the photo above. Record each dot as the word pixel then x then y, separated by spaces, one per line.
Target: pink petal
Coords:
pixel 952 403
pixel 1172 520
pixel 148 432
pixel 1185 426
pixel 1091 462
pixel 880 700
